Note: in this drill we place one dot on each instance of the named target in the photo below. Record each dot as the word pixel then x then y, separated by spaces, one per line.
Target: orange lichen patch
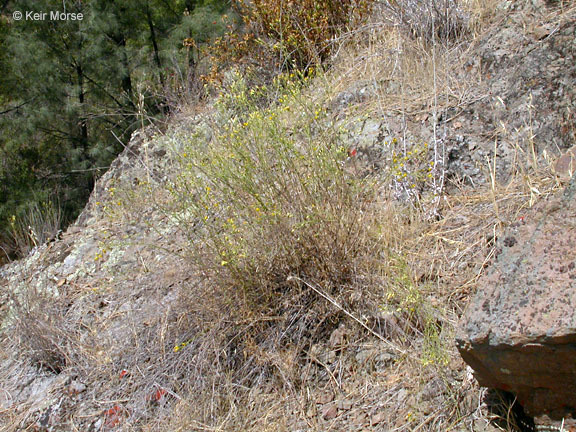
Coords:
pixel 113 417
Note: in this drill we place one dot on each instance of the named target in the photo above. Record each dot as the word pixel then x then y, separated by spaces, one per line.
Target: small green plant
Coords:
pixel 407 299
pixel 434 350
pixel 404 295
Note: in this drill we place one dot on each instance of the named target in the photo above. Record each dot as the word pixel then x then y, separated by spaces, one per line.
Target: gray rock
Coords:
pixel 344 404
pixel 76 387
pixel 528 86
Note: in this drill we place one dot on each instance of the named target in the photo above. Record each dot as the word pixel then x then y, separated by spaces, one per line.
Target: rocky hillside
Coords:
pixel 296 256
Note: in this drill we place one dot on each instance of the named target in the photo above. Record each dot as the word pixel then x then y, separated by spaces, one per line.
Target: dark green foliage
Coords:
pixel 71 92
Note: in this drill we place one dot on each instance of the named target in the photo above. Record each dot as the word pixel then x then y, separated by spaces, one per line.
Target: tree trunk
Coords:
pixel 126 79
pixel 190 5
pixel 154 44
pixel 83 120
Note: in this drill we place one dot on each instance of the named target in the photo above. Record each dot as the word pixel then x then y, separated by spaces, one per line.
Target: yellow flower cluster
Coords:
pixel 182 345
pixel 100 254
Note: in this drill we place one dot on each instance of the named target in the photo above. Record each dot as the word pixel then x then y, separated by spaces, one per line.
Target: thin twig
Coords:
pixel 335 303
pixel 6 253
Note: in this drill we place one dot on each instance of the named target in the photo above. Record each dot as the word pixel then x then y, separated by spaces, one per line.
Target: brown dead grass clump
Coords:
pixel 41 331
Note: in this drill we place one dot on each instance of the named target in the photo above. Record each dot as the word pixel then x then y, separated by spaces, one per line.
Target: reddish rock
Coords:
pixel 519 331
pixel 377 418
pixel 565 165
pixel 329 412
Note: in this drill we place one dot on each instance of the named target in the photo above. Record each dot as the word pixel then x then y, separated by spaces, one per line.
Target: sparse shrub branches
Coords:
pixel 270 198
pixel 414 170
pixel 430 20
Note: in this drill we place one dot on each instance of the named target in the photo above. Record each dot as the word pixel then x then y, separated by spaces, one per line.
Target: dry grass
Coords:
pixel 481 14
pixel 409 75
pixel 39 223
pixel 299 284
pixel 44 336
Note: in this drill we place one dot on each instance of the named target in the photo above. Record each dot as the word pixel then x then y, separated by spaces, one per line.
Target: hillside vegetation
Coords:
pixel 292 250
pixel 72 91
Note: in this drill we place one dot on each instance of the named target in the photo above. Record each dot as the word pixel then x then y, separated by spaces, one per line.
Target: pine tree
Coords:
pixel 70 90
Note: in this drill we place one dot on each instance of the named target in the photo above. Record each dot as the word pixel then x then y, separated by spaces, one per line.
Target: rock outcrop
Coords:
pixel 525 99
pixel 519 332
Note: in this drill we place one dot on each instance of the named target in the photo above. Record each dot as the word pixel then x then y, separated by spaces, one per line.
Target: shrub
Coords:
pixel 270 197
pixel 272 209
pixel 289 34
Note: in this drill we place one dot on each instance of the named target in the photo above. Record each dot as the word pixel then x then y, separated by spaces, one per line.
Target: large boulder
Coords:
pixel 519 331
